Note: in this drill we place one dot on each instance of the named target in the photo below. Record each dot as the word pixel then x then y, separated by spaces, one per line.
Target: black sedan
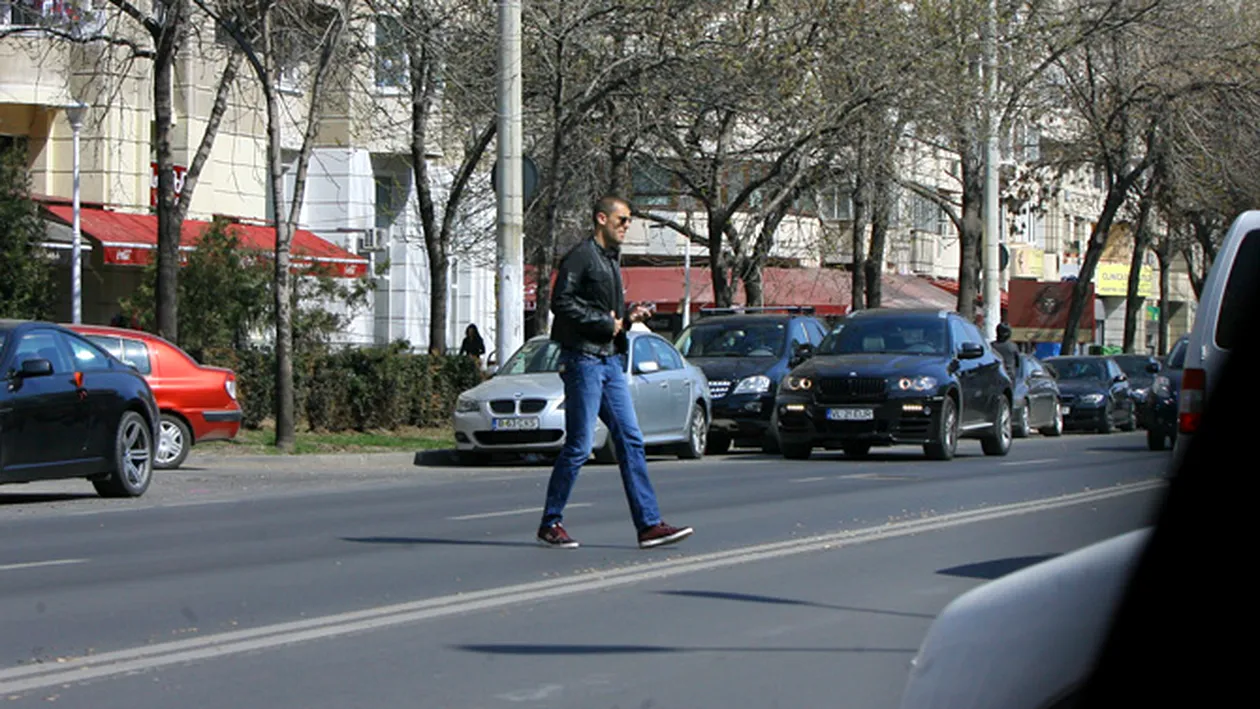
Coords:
pixel 1158 412
pixel 1037 405
pixel 891 377
pixel 1095 394
pixel 70 410
pixel 1140 369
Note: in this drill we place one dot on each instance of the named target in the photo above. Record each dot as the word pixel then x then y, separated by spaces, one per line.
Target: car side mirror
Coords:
pixel 1152 368
pixel 800 353
pixel 35 368
pixel 647 367
pixel 970 350
pixel 1120 378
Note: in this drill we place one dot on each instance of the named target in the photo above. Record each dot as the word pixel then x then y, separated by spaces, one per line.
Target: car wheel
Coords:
pixel 1055 428
pixel 133 459
pixel 857 449
pixel 1023 424
pixel 1155 440
pixel 999 441
pixel 718 444
pixel 796 451
pixel 1109 421
pixel 697 435
pixel 174 442
pixel 946 443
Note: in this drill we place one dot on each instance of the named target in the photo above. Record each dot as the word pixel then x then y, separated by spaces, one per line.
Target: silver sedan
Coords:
pixel 521 409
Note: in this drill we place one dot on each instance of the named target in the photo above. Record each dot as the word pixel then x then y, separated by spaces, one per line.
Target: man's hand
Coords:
pixel 639 313
pixel 616 323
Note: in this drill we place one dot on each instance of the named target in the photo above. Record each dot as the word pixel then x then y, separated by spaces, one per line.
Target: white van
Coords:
pixel 1221 317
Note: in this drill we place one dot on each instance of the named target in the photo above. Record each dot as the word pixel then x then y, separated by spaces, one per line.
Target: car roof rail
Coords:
pixel 745 309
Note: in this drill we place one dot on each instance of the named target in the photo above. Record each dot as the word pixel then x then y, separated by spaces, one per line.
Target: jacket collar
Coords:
pixel 611 252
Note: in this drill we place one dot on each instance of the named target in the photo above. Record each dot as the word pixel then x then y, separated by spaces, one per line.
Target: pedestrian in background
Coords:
pixel 1007 350
pixel 590 327
pixel 473 346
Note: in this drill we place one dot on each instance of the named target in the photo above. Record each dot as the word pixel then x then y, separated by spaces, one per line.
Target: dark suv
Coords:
pixel 745 352
pixel 890 377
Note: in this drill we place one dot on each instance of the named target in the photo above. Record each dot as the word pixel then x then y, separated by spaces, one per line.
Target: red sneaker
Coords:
pixel 556 538
pixel 662 534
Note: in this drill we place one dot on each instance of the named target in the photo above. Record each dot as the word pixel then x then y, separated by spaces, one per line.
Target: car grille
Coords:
pixel 850 389
pixel 1067 399
pixel 507 438
pixel 503 406
pixel 718 388
pixel 532 406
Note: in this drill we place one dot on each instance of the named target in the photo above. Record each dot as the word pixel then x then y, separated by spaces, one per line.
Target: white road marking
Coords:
pixel 108 664
pixel 806 480
pixel 1039 461
pixel 38 564
pixel 509 513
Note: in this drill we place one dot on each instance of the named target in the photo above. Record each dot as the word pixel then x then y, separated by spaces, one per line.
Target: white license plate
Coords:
pixel 850 414
pixel 1065 410
pixel 519 424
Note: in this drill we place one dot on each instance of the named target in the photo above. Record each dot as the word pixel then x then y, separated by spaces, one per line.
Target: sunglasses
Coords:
pixel 622 221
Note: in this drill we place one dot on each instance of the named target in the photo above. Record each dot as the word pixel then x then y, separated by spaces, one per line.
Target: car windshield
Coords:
pixel 743 339
pixel 532 358
pixel 898 335
pixel 1134 367
pixel 1177 358
pixel 1083 369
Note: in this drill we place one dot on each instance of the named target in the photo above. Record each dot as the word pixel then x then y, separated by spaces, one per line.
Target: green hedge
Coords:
pixel 360 389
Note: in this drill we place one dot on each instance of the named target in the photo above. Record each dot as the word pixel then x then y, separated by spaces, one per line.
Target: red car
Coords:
pixel 198 403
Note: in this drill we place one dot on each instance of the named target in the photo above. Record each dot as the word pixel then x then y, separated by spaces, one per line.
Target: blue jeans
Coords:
pixel 597 386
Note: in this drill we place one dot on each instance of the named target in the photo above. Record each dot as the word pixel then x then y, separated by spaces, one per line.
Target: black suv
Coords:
pixel 889 377
pixel 745 352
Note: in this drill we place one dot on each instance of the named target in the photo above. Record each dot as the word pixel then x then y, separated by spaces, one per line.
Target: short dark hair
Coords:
pixel 606 205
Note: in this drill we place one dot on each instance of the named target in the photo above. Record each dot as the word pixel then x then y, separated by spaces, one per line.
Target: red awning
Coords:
pixel 827 290
pixel 129 239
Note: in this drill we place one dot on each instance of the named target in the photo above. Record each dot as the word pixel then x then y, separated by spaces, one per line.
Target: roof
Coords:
pixel 871 312
pixel 129 239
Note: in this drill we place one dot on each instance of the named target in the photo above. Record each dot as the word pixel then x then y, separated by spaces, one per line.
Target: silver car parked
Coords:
pixel 521 409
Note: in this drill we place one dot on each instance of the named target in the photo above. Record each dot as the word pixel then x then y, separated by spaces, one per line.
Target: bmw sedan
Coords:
pixel 521 409
pixel 68 409
pixel 1095 394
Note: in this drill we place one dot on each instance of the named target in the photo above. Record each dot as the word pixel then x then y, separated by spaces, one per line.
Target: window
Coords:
pixel 1234 314
pixel 42 344
pixel 643 352
pixel 667 356
pixel 814 332
pixel 733 339
pixel 835 204
pixel 87 358
pixel 887 335
pixel 133 352
pixel 927 214
pixel 973 333
pixel 533 357
pixel 392 65
pixel 653 184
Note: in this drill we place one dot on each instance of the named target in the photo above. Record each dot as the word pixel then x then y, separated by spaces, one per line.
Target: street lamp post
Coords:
pixel 75 113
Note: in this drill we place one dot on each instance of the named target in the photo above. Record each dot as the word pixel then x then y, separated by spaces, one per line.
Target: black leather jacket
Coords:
pixel 588 288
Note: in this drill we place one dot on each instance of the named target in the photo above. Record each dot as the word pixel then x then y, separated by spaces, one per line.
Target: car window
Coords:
pixel 797 336
pixel 643 351
pixel 814 332
pixel 136 353
pixel 665 354
pixel 733 339
pixel 533 357
pixel 1234 314
pixel 1086 369
pixel 42 344
pixel 973 333
pixel 110 344
pixel 957 333
pixel 1134 366
pixel 87 356
pixel 1177 358
pixel 887 335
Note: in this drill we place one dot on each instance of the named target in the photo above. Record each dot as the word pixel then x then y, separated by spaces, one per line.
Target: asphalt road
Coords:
pixel 375 584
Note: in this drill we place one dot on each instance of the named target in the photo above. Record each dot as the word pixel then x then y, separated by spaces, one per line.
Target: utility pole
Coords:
pixel 510 329
pixel 992 297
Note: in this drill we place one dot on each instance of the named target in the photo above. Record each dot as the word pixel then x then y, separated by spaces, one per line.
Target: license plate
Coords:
pixel 518 424
pixel 1065 410
pixel 850 414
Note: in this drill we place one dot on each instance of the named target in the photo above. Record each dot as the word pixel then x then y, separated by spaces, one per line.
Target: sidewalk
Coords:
pixel 420 461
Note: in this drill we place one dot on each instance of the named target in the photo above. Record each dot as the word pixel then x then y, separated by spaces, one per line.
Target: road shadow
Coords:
pixel 19 498
pixel 569 650
pixel 449 458
pixel 422 541
pixel 995 568
pixel 775 600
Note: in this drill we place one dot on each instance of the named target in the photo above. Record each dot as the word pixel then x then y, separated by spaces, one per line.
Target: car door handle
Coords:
pixel 664 385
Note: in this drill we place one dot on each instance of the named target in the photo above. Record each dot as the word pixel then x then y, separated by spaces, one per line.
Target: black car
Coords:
pixel 890 377
pixel 1158 411
pixel 1036 397
pixel 1095 394
pixel 68 409
pixel 1140 369
pixel 745 352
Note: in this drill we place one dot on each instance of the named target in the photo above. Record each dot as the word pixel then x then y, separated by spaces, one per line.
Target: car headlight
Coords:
pixel 917 383
pixel 1092 399
pixel 792 383
pixel 756 384
pixel 465 405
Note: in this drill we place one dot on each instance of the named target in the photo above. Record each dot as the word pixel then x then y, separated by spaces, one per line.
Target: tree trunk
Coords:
pixel 970 238
pixel 1141 241
pixel 881 217
pixel 858 274
pixel 1097 242
pixel 166 293
pixel 1164 268
pixel 420 72
pixel 286 430
pixel 723 292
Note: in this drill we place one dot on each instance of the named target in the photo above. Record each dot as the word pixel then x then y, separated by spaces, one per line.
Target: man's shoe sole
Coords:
pixel 662 541
pixel 564 545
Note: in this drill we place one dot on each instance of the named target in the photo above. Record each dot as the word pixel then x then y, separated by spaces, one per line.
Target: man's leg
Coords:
pixel 616 409
pixel 581 378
